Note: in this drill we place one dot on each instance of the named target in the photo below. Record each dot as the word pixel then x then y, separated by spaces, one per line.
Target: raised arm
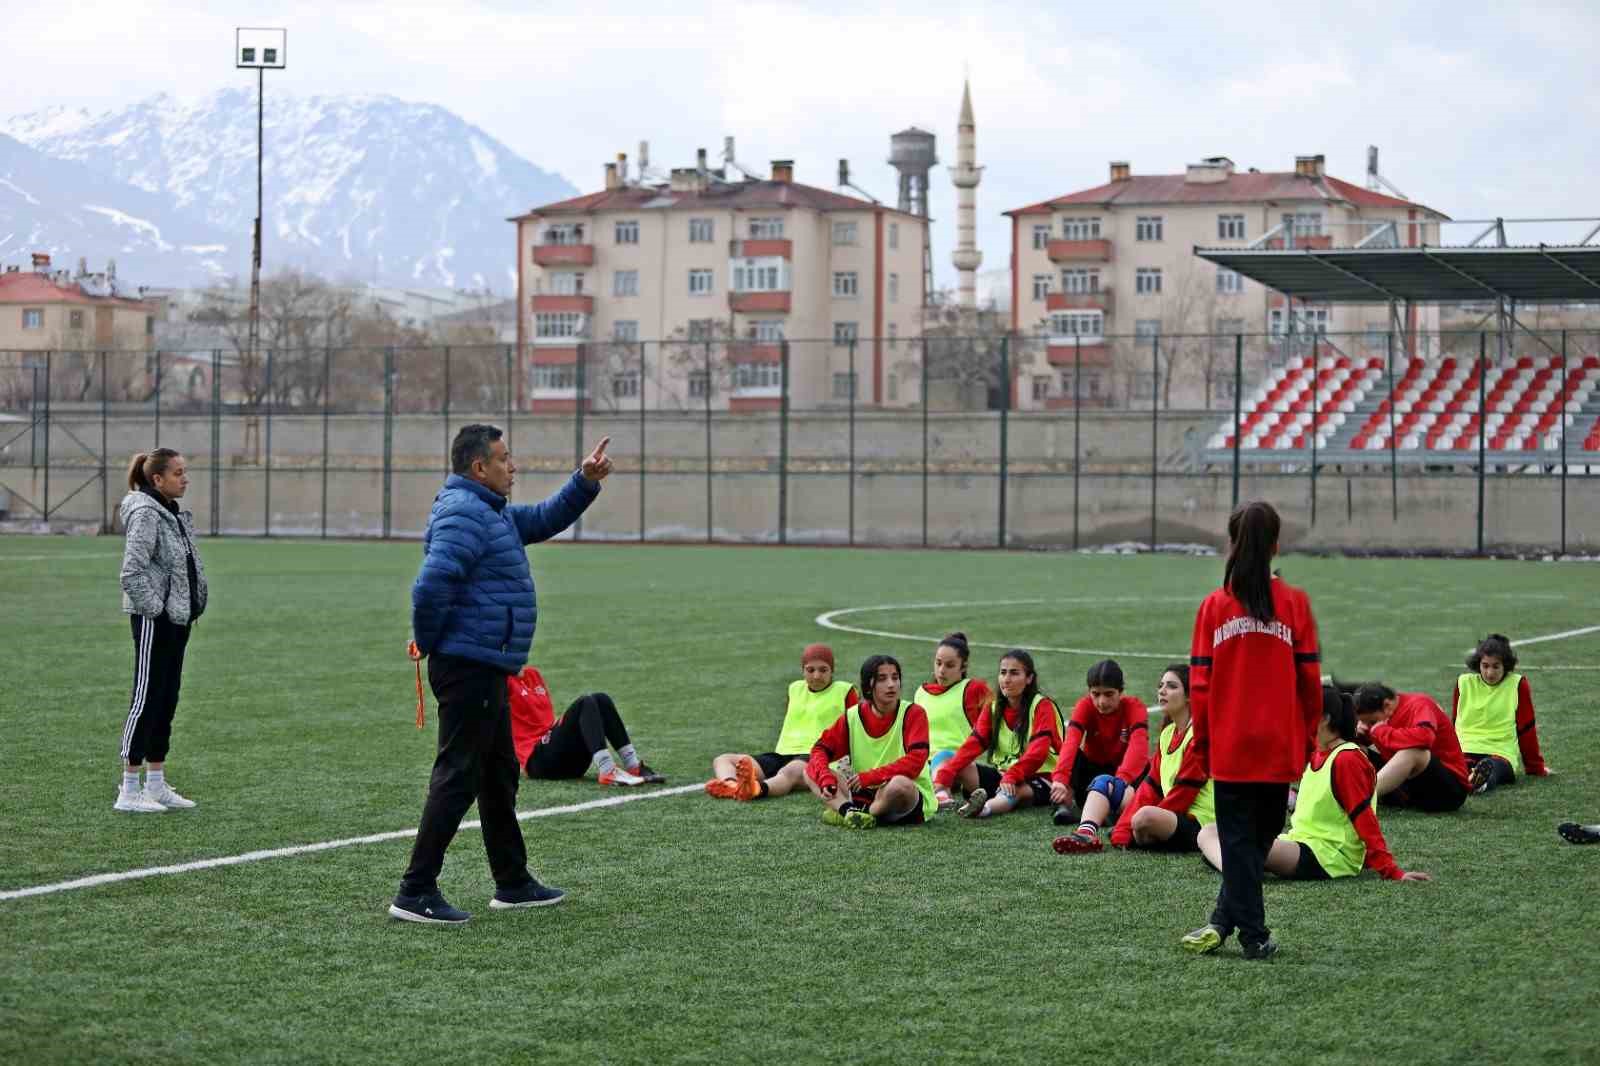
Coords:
pixel 541 521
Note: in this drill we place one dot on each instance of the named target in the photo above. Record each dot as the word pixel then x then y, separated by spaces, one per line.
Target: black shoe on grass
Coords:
pixel 429 908
pixel 531 894
pixel 1065 814
pixel 1573 833
pixel 1264 950
pixel 649 775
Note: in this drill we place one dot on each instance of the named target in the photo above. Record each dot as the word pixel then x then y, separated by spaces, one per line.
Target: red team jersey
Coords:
pixel 1418 722
pixel 1255 688
pixel 1121 738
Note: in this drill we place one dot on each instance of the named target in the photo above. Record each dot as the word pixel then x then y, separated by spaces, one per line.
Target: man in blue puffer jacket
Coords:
pixel 472 614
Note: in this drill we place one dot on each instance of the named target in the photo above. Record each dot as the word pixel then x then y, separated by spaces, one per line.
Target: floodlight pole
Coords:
pixel 255 253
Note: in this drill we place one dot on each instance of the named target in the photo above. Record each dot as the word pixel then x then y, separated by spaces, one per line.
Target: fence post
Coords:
pixel 388 442
pixel 49 360
pixel 1238 402
pixel 1005 432
pixel 852 521
pixel 105 518
pixel 158 397
pixel 1483 354
pixel 1155 430
pixel 924 442
pixel 707 392
pixel 1315 338
pixel 1394 458
pixel 444 414
pixel 266 476
pixel 580 380
pixel 1077 429
pixel 644 351
pixel 1563 425
pixel 511 399
pixel 783 447
pixel 327 399
pixel 216 440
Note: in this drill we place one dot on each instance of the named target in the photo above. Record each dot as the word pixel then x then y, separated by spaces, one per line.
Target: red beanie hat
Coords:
pixel 814 652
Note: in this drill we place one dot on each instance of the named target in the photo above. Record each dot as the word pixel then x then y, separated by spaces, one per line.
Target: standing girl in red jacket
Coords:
pixel 1255 698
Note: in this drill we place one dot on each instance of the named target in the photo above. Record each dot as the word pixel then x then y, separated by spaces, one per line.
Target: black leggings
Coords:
pixel 582 731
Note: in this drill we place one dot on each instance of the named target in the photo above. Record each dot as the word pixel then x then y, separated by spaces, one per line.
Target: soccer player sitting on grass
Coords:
pixel 1334 831
pixel 1493 713
pixel 1019 734
pixel 885 740
pixel 1174 802
pixel 952 699
pixel 1413 745
pixel 551 749
pixel 815 702
pixel 1106 755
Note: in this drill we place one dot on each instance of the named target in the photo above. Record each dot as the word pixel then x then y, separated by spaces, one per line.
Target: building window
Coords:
pixel 1307 320
pixel 562 233
pixel 1230 326
pixel 1147 228
pixel 845 284
pixel 894 335
pixel 1145 331
pixel 699 283
pixel 702 329
pixel 770 228
pixel 566 282
pixel 844 233
pixel 844 386
pixel 74 319
pixel 701 231
pixel 1223 387
pixel 768 274
pixel 625 283
pixel 1079 280
pixel 1041 387
pixel 1304 223
pixel 559 376
pixel 149 325
pixel 1041 286
pixel 1088 389
pixel 894 235
pixel 1142 386
pixel 1041 236
pixel 891 382
pixel 844 333
pixel 33 318
pixel 1081 229
pixel 699 385
pixel 894 288
pixel 1084 324
pixel 767 331
pixel 1230 227
pixel 625 385
pixel 549 324
pixel 1229 281
pixel 757 376
pixel 1147 280
pixel 628 232
pixel 625 330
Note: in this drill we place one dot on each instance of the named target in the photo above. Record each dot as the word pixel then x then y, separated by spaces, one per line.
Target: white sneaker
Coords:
pixel 137 803
pixel 168 798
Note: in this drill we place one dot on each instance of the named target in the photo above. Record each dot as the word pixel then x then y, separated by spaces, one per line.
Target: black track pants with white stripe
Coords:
pixel 158 646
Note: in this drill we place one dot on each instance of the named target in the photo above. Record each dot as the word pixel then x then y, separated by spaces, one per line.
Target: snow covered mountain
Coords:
pixel 363 188
pixel 71 211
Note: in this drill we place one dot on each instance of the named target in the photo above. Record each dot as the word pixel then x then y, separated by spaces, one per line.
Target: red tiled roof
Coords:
pixel 735 195
pixel 1250 187
pixel 31 287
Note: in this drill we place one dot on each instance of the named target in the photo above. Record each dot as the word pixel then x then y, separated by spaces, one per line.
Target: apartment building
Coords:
pixel 1116 261
pixel 720 268
pixel 44 309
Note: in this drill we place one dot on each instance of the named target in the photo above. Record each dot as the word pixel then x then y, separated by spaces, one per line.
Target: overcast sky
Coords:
pixel 1477 112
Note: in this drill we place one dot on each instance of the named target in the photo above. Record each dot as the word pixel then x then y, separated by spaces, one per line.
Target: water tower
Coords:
pixel 912 153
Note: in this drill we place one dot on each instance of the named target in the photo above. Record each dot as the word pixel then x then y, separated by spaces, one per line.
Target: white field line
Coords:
pixel 826 620
pixel 1557 636
pixel 326 845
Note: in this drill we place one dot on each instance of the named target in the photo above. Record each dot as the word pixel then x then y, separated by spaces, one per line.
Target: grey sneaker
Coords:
pixel 1264 950
pixel 974 805
pixel 168 797
pixel 430 908
pixel 137 803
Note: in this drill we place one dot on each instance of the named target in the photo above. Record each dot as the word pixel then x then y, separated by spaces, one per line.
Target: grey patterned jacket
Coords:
pixel 155 578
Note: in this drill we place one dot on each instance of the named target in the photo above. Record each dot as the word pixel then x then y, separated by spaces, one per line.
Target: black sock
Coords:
pixel 764 791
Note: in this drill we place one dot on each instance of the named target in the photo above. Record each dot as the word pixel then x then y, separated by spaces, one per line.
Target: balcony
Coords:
pixel 563 255
pixel 1079 301
pixel 781 247
pixel 1098 250
pixel 755 352
pixel 555 353
pixel 1301 243
pixel 1061 351
pixel 759 302
pixel 581 304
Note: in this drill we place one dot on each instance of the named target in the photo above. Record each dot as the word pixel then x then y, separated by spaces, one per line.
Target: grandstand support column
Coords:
pixel 216 440
pixel 580 380
pixel 1562 424
pixel 924 442
pixel 1315 352
pixel 105 518
pixel 852 482
pixel 327 399
pixel 1483 352
pixel 1005 433
pixel 1394 458
pixel 266 474
pixel 1155 429
pixel 783 445
pixel 644 349
pixel 1077 431
pixel 1238 392
pixel 707 392
pixel 388 441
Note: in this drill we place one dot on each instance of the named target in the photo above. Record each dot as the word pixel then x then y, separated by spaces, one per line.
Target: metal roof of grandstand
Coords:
pixel 1533 274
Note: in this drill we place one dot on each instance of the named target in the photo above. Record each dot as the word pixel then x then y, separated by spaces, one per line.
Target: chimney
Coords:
pixel 1121 171
pixel 612 181
pixel 622 168
pixel 700 160
pixel 41 262
pixel 111 269
pixel 1310 166
pixel 686 179
pixel 783 170
pixel 644 157
pixel 844 172
pixel 83 266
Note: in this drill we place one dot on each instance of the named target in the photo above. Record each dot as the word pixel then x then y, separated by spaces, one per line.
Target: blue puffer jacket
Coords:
pixel 474 596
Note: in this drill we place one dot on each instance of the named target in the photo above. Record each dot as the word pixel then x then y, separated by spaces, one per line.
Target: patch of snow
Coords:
pixel 485 157
pixel 19 191
pixel 139 225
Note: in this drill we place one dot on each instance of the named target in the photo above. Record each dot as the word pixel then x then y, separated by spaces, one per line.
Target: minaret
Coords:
pixel 965 176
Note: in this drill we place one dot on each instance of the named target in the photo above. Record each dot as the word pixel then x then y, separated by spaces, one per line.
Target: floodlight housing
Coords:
pixel 261 49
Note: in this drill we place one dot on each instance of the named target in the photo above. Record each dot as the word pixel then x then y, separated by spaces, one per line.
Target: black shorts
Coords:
pixel 1307 868
pixel 914 816
pixel 1185 838
pixel 1083 774
pixel 1435 791
pixel 988 778
pixel 561 753
pixel 770 763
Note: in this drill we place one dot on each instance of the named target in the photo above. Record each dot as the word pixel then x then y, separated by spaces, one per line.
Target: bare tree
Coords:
pixel 964 349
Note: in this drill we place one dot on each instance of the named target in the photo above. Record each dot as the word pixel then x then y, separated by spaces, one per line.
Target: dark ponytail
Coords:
pixel 146 465
pixel 957 642
pixel 1252 535
pixel 997 720
pixel 1339 711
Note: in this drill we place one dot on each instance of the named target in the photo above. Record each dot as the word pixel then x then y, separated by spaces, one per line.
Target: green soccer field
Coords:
pixel 708 931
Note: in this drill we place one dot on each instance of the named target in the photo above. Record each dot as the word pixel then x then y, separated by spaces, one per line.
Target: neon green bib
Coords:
pixel 1007 749
pixel 1486 717
pixel 808 714
pixel 947 715
pixel 1323 826
pixel 1202 810
pixel 868 752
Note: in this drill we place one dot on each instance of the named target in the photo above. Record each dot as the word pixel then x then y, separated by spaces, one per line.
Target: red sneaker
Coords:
pixel 747 780
pixel 719 788
pixel 1076 843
